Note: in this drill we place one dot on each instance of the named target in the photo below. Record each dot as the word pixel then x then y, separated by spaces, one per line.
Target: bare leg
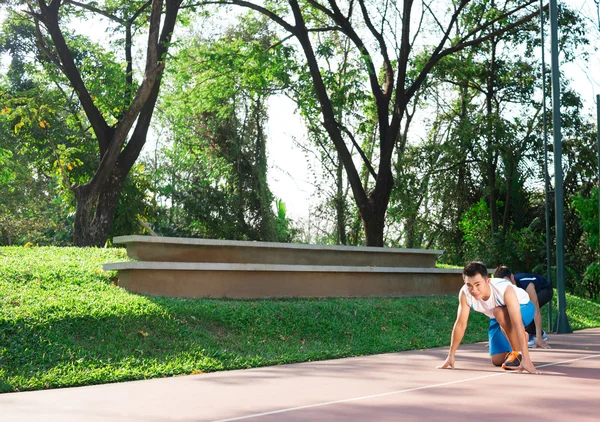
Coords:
pixel 499 358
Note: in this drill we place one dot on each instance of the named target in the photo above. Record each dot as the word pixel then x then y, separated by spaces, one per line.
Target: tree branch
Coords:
pixel 138 138
pixel 263 10
pixel 96 10
pixel 499 18
pixel 329 121
pixel 151 82
pixel 139 12
pixel 439 54
pixel 49 17
pixel 359 149
pixel 389 72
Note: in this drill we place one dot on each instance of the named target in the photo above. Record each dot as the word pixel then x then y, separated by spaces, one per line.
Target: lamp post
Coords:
pixel 546 176
pixel 562 323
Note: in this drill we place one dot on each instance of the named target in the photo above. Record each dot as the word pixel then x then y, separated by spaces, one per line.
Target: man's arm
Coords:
pixel 537 317
pixel 514 313
pixel 458 331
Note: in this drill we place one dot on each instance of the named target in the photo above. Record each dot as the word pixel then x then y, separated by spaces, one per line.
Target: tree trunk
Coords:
pixel 491 185
pixel 95 212
pixel 267 224
pixel 340 204
pixel 409 232
pixel 508 198
pixel 374 224
pixel 492 140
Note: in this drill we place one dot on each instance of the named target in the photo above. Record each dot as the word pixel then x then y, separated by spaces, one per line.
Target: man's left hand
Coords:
pixel 539 342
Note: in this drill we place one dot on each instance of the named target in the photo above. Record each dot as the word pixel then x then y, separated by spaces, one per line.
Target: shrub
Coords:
pixel 590 283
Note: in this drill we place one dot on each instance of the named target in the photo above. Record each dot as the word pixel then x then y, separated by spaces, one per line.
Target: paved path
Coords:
pixel 402 386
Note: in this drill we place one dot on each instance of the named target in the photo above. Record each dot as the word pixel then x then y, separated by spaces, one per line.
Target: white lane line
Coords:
pixel 390 393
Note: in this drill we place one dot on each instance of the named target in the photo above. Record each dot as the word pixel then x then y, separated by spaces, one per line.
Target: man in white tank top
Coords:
pixel 509 310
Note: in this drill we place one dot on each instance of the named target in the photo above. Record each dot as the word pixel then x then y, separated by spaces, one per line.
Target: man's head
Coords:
pixel 475 276
pixel 502 271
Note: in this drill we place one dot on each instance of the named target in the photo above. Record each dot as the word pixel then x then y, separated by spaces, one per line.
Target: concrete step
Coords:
pixel 226 280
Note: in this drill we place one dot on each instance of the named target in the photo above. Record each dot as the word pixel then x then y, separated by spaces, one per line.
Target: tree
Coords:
pixel 38 150
pixel 215 170
pixel 392 33
pixel 340 71
pixel 485 142
pixel 29 209
pixel 118 111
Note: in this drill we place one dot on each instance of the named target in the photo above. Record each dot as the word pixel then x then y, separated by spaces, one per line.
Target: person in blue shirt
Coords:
pixel 540 292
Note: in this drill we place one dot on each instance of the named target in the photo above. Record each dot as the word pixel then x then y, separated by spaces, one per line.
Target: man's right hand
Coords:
pixel 527 366
pixel 449 363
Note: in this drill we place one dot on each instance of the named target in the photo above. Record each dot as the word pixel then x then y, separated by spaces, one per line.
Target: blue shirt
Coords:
pixel 523 280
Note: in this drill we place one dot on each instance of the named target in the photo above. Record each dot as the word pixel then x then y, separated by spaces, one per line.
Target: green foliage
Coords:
pixel 591 280
pixel 103 76
pixel 284 232
pixel 493 152
pixel 33 205
pixel 580 161
pixel 587 209
pixel 214 173
pixel 476 226
pixel 412 195
pixel 88 129
pixel 519 249
pixel 211 180
pixel 355 111
pixel 43 130
pixel 6 176
pixel 136 204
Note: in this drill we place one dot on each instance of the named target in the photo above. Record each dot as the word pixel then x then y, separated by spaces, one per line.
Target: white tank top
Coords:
pixel 497 288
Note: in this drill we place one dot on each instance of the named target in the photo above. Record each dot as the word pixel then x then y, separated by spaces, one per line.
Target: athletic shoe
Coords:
pixel 513 361
pixel 531 341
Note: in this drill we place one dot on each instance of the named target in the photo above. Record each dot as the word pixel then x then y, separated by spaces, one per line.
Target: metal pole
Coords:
pixel 562 323
pixel 546 176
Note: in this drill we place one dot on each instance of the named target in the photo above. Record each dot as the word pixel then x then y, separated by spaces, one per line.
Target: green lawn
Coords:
pixel 63 322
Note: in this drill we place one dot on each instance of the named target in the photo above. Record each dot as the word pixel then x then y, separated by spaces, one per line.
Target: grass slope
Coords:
pixel 63 322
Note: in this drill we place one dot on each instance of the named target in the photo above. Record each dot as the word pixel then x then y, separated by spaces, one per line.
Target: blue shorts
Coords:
pixel 498 342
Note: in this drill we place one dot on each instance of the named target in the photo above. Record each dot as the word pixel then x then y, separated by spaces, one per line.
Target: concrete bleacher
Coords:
pixel 184 267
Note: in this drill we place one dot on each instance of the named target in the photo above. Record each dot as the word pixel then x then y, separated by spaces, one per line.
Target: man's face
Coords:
pixel 478 286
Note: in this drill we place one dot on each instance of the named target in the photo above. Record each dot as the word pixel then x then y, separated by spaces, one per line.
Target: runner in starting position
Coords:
pixel 509 309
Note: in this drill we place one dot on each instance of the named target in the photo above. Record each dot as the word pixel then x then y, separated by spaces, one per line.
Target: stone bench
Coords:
pixel 179 267
pixel 177 249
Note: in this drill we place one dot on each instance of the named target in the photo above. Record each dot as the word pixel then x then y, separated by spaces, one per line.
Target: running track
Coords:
pixel 402 386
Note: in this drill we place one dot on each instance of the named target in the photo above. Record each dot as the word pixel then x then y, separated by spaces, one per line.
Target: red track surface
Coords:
pixel 402 386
